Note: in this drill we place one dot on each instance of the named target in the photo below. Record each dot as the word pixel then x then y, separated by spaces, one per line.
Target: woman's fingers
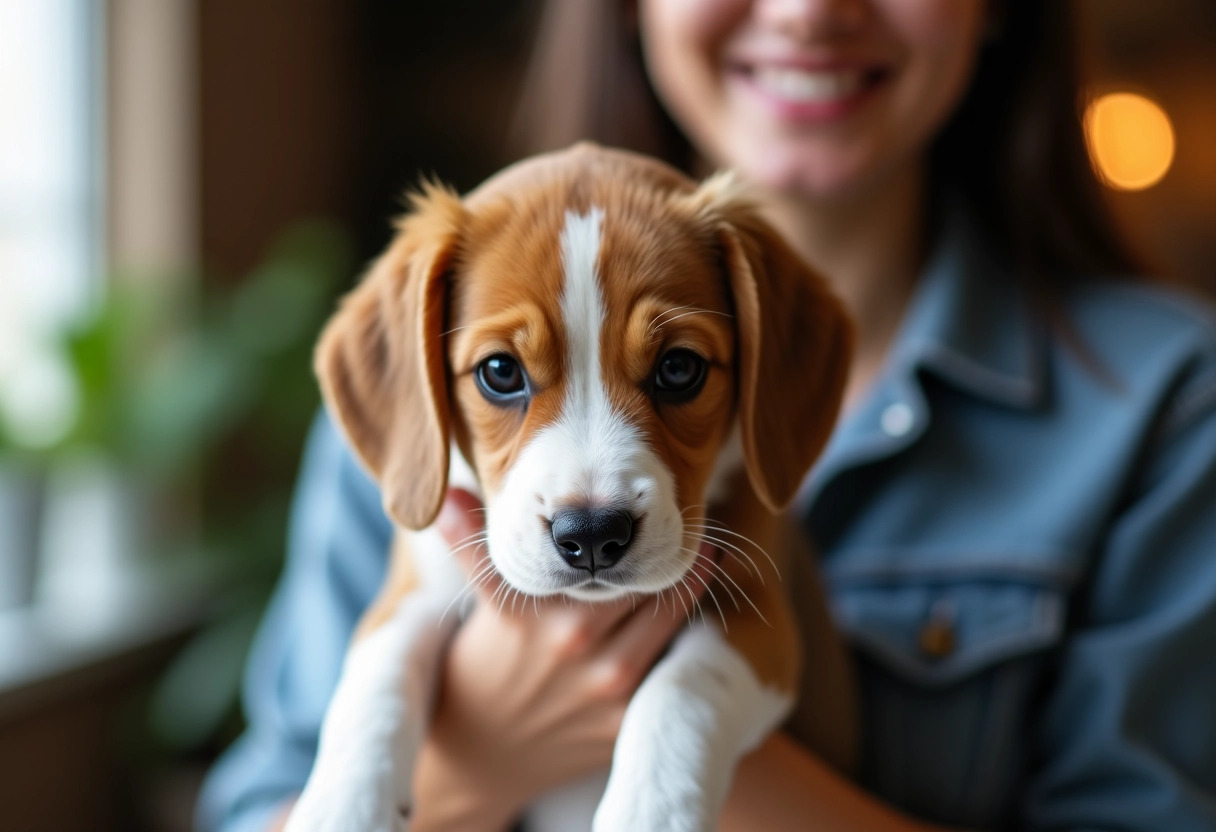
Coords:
pixel 576 628
pixel 461 522
pixel 460 517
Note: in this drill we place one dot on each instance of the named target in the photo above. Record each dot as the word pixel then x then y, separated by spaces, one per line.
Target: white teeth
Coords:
pixel 808 87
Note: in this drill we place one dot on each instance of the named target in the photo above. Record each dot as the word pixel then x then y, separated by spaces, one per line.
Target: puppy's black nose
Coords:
pixel 592 538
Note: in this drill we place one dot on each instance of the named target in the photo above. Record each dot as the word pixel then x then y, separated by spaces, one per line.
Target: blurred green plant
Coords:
pixel 237 398
pixel 165 375
pixel 242 398
pixel 204 392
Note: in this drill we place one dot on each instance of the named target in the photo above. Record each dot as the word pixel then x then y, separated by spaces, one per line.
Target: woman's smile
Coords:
pixel 806 92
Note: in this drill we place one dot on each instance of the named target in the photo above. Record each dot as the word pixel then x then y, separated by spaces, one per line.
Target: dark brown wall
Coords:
pixel 333 107
pixel 277 102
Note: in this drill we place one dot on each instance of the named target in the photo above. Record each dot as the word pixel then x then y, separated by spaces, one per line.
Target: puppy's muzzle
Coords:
pixel 592 538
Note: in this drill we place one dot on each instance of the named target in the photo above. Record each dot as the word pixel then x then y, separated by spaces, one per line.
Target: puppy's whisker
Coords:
pixel 709 591
pixel 695 312
pixel 655 323
pixel 735 584
pixel 510 593
pixel 479 542
pixel 692 591
pixel 710 523
pixel 459 545
pixel 504 589
pixel 684 311
pixel 484 575
pixel 692 598
pixel 710 562
pixel 706 523
pixel 734 552
pixel 671 575
pixel 479 577
pixel 730 549
pixel 467 537
pixel 675 593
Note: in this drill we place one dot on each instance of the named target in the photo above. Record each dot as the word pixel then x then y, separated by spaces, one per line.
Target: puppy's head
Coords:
pixel 589 328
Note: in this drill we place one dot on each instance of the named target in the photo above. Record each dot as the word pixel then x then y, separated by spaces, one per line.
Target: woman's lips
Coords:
pixel 807 95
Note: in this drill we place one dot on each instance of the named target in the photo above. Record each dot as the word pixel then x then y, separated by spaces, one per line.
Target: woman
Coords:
pixel 1014 516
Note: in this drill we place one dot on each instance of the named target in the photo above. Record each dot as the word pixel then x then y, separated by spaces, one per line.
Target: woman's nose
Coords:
pixel 813 19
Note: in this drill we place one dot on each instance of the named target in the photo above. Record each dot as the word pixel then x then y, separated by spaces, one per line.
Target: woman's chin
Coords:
pixel 816 177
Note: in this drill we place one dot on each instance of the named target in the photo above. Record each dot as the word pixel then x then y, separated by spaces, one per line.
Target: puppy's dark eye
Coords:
pixel 679 374
pixel 501 379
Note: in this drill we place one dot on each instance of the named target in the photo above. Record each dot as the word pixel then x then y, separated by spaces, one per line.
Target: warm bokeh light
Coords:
pixel 1131 140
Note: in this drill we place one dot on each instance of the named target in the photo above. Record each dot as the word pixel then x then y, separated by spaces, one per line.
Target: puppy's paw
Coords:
pixel 344 808
pixel 641 815
pixel 639 803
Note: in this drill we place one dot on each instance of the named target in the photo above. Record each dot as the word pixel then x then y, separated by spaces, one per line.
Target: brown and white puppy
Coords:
pixel 628 362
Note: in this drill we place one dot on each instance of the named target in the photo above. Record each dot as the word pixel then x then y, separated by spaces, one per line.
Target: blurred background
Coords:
pixel 185 188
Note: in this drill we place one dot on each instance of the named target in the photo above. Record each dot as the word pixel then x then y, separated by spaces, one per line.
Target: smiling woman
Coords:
pixel 1012 515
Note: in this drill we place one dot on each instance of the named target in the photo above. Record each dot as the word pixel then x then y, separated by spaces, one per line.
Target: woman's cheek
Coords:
pixel 697 21
pixel 941 39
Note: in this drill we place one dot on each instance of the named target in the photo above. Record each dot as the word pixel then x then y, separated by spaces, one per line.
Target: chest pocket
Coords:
pixel 949 671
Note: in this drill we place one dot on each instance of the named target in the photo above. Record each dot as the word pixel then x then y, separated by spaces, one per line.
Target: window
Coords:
pixel 50 202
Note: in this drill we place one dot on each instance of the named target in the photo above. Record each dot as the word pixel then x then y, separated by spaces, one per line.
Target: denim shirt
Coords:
pixel 1017 531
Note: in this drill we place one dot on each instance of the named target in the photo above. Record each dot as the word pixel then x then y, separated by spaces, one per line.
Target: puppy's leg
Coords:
pixel 377 719
pixel 697 713
pixel 719 692
pixel 723 686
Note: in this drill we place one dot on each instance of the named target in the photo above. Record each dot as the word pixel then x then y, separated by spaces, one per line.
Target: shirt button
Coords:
pixel 937 639
pixel 897 419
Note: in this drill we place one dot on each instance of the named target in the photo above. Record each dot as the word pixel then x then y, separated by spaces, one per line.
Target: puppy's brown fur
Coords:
pixel 465 279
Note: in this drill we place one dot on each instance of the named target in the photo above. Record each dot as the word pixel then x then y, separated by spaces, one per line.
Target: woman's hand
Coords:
pixel 530 698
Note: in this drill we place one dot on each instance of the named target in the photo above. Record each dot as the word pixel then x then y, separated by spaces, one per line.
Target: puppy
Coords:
pixel 622 362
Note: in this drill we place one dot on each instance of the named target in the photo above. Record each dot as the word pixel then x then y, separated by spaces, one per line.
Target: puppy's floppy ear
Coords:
pixel 381 361
pixel 795 343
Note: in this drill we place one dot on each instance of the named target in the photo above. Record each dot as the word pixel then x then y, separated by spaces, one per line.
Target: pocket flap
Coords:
pixel 938 633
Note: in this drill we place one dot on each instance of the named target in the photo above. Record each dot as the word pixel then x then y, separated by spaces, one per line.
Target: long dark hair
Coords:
pixel 1014 146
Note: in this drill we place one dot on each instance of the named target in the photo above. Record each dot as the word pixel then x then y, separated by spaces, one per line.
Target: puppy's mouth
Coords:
pixel 608 584
pixel 603 585
pixel 618 582
pixel 595 589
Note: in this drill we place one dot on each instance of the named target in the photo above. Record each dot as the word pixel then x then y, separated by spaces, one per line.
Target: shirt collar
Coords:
pixel 970 322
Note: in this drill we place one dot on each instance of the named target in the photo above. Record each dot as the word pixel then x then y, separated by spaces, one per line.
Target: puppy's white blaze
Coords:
pixel 582 309
pixel 587 417
pixel 589 454
pixel 602 439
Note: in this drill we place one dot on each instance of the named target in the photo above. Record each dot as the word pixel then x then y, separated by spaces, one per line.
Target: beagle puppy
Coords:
pixel 622 362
